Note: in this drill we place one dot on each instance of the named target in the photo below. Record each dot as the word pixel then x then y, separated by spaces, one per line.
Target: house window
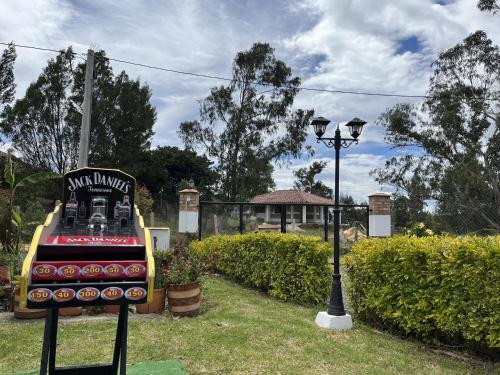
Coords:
pixel 276 209
pixel 260 209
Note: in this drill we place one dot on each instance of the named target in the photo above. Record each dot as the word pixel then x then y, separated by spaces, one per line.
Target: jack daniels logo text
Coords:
pixel 81 185
pixel 97 178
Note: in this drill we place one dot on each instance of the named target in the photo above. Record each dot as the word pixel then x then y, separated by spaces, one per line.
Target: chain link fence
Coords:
pixel 309 220
pixel 455 224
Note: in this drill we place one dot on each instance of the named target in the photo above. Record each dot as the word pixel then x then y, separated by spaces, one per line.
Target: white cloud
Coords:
pixel 333 44
pixel 354 175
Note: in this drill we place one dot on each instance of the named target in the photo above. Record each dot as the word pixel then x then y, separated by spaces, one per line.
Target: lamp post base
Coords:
pixel 340 322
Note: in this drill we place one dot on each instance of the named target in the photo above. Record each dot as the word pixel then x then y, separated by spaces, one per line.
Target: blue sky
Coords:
pixel 376 46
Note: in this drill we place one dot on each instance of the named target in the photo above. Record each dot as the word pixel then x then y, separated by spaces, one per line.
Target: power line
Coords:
pixel 33 47
pixel 264 84
pixel 199 75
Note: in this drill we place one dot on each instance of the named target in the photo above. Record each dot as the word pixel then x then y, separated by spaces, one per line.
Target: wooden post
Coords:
pixel 83 151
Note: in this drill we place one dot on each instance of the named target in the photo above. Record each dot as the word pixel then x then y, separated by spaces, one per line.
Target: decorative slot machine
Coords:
pixel 92 250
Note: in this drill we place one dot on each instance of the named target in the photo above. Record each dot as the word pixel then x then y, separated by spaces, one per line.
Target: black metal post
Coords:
pixel 368 221
pixel 283 218
pixel 241 218
pixel 336 303
pixel 123 344
pixel 44 361
pixel 325 227
pixel 118 342
pixel 53 340
pixel 200 214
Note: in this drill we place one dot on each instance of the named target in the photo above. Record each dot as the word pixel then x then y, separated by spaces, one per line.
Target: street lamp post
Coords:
pixel 335 317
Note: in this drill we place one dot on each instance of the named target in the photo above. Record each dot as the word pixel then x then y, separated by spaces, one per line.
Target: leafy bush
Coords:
pixel 438 288
pixel 143 200
pixel 419 230
pixel 289 267
pixel 160 258
pixel 181 268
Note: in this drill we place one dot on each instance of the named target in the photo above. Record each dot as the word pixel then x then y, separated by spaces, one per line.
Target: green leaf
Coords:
pixel 16 218
pixel 37 178
pixel 8 171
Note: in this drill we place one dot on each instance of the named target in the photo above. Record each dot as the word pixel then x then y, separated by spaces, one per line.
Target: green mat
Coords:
pixel 172 367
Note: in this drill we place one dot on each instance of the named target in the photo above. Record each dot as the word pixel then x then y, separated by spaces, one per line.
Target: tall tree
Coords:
pixel 45 125
pixel 169 166
pixel 245 130
pixel 455 133
pixel 7 85
pixel 37 123
pixel 492 6
pixel 122 117
pixel 306 180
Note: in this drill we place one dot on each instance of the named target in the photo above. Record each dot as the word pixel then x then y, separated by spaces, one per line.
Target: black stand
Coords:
pixel 48 359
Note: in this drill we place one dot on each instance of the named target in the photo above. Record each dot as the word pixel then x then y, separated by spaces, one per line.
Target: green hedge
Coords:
pixel 438 288
pixel 287 266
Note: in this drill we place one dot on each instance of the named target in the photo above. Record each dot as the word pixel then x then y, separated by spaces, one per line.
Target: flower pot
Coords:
pixel 24 313
pixel 112 309
pixel 94 310
pixel 70 311
pixel 184 300
pixel 4 273
pixel 156 306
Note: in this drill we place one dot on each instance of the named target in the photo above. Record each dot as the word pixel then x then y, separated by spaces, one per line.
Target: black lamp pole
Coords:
pixel 336 303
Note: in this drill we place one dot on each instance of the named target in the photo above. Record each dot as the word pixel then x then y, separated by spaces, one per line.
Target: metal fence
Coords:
pixel 305 219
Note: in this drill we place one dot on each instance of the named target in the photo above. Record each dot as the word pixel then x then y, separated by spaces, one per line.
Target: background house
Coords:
pixel 302 207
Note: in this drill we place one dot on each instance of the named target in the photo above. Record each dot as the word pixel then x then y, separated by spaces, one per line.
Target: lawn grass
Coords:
pixel 240 332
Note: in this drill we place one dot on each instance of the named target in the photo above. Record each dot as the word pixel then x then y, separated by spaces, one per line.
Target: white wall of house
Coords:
pixel 298 213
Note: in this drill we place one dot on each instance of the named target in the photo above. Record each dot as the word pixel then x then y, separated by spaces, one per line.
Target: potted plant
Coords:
pixel 158 304
pixel 23 312
pixel 70 311
pixel 182 277
pixel 4 271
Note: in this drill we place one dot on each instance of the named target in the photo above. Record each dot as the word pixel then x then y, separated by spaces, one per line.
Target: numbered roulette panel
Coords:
pixel 86 294
pixel 93 249
pixel 78 270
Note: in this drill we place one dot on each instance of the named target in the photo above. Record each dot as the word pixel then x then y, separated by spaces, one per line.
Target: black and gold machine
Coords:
pixel 92 250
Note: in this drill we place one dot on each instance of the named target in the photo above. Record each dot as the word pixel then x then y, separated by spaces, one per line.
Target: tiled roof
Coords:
pixel 290 197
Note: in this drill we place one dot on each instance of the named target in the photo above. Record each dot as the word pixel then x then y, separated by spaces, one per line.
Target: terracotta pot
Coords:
pixel 24 313
pixel 157 306
pixel 184 300
pixel 70 311
pixel 112 309
pixel 94 310
pixel 4 272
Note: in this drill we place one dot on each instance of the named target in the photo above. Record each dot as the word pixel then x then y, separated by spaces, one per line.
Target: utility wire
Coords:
pixel 33 47
pixel 264 84
pixel 199 75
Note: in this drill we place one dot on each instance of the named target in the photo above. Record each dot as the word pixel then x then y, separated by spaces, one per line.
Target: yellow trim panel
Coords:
pixel 28 261
pixel 149 256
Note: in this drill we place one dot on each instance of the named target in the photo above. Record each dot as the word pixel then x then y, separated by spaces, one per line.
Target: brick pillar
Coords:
pixel 189 200
pixel 380 215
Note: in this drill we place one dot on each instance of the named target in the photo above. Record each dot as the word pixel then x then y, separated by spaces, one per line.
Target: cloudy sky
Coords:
pixel 375 46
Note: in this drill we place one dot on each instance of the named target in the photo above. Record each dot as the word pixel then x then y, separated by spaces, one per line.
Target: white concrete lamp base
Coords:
pixel 342 322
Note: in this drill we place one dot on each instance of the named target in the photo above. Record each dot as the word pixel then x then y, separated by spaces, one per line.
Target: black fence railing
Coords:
pixel 307 219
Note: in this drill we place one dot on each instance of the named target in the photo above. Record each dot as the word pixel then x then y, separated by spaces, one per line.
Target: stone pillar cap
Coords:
pixel 380 194
pixel 188 191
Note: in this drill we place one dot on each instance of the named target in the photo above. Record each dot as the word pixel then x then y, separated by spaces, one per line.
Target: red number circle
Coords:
pixel 63 295
pixel 135 293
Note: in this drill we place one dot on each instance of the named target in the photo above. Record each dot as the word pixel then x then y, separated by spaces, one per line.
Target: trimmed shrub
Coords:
pixel 289 267
pixel 437 288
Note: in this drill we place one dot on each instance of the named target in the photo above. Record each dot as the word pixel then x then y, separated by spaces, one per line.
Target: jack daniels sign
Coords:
pixel 96 191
